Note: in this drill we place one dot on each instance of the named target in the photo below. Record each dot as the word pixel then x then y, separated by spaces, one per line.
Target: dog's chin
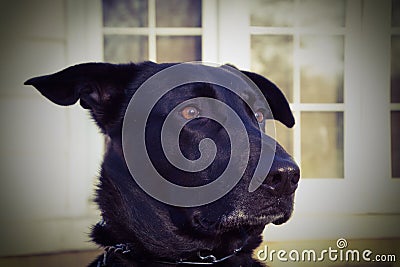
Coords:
pixel 239 220
pixel 282 220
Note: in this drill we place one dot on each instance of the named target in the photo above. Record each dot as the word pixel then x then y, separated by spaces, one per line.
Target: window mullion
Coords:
pixel 352 93
pixel 234 41
pixel 210 31
pixel 296 97
pixel 152 31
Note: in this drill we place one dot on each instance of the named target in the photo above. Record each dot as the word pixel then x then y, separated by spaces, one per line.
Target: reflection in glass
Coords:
pixel 272 13
pixel 178 48
pixel 395 132
pixel 306 13
pixel 395 70
pixel 322 144
pixel 125 13
pixel 322 68
pixel 125 48
pixel 395 13
pixel 272 56
pixel 178 13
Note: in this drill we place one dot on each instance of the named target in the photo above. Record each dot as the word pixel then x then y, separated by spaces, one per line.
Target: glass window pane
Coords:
pixel 321 69
pixel 178 48
pixel 395 144
pixel 272 13
pixel 322 144
pixel 125 13
pixel 125 48
pixel 178 13
pixel 272 56
pixel 395 13
pixel 317 13
pixel 308 13
pixel 395 71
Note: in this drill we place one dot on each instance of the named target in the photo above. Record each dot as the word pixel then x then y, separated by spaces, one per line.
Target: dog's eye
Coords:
pixel 189 113
pixel 259 116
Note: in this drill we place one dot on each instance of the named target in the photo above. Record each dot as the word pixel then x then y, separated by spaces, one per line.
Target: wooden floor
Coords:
pixel 64 259
pixel 83 258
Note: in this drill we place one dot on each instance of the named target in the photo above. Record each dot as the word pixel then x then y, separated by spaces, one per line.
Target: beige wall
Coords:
pixel 45 187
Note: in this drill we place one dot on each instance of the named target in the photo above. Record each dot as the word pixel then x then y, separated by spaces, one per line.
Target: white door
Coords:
pixel 332 59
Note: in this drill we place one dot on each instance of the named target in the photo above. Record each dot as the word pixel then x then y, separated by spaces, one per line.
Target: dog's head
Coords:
pixel 131 215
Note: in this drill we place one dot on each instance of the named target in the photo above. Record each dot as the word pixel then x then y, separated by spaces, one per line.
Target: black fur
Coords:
pixel 155 231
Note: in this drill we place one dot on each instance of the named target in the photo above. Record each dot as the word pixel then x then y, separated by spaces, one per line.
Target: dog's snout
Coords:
pixel 283 177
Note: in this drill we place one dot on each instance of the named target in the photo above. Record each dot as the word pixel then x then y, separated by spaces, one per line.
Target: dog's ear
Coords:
pixel 91 83
pixel 98 87
pixel 276 99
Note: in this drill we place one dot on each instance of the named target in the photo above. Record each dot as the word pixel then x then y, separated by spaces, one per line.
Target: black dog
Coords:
pixel 138 230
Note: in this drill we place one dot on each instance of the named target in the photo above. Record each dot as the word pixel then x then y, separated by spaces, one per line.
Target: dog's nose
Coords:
pixel 283 177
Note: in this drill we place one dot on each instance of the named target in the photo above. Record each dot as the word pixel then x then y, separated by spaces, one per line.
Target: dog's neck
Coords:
pixel 126 254
pixel 133 255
